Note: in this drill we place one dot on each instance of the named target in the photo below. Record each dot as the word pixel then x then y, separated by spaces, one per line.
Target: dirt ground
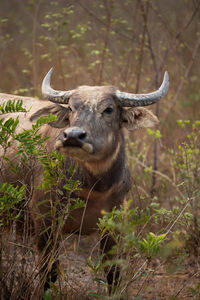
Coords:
pixel 175 279
pixel 172 280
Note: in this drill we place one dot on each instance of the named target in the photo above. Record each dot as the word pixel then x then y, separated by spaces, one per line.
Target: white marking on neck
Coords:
pixel 102 166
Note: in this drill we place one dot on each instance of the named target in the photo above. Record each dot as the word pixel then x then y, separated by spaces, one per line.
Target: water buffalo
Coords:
pixel 89 131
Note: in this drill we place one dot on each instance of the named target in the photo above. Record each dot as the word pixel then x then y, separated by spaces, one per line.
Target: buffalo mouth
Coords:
pixel 65 146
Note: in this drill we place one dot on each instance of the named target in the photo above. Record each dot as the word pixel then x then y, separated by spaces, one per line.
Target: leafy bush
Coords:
pixel 30 149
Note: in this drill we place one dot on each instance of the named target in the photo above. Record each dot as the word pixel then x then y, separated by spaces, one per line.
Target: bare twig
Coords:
pixel 178 217
pixel 34 51
pixel 184 285
pixel 134 276
pixel 94 16
pixel 105 47
pixel 175 40
pixel 162 175
pixel 156 146
pixel 185 77
pixel 84 211
pixel 145 17
pixel 13 254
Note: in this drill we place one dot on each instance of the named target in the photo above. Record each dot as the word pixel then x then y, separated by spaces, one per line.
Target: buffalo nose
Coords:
pixel 74 136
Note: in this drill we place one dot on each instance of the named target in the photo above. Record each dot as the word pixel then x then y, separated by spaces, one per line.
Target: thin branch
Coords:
pixel 185 77
pixel 156 146
pixel 161 175
pixel 178 217
pixel 105 47
pixel 94 16
pixel 134 276
pixel 166 23
pixel 175 40
pixel 34 51
pixel 144 13
pixel 183 286
pixel 14 234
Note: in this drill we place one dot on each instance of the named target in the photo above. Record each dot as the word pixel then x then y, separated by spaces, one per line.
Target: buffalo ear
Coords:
pixel 61 112
pixel 139 117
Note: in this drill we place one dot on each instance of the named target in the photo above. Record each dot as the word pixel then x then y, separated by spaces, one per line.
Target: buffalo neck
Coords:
pixel 117 172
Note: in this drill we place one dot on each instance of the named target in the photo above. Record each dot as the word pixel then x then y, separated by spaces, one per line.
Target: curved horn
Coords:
pixel 131 100
pixel 53 95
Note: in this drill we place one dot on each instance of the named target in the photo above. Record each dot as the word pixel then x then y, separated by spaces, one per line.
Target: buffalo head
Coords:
pixel 92 118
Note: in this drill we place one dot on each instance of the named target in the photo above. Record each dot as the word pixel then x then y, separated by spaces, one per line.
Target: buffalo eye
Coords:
pixel 108 110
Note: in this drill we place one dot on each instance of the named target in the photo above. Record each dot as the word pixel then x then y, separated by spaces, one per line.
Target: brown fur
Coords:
pixel 100 167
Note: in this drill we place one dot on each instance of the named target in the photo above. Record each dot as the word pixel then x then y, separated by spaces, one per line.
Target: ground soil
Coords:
pixel 173 279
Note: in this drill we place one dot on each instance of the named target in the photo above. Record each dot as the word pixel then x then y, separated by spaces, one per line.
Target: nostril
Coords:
pixel 64 135
pixel 74 136
pixel 82 136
